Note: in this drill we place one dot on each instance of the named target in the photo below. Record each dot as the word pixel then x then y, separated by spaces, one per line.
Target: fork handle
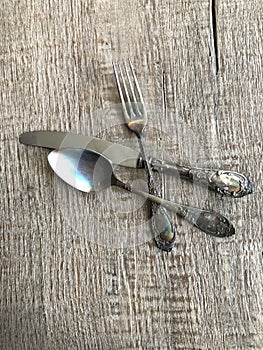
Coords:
pixel 164 231
pixel 228 183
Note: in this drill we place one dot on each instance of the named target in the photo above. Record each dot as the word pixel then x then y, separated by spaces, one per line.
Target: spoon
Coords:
pixel 90 172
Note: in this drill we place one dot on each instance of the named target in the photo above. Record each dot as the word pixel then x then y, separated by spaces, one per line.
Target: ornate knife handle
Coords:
pixel 228 183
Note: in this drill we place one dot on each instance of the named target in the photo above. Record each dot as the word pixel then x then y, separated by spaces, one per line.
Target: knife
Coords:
pixel 225 182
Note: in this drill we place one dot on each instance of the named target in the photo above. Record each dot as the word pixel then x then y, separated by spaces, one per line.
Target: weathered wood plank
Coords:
pixel 82 271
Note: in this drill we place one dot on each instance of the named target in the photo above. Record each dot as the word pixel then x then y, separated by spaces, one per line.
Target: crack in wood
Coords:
pixel 213 31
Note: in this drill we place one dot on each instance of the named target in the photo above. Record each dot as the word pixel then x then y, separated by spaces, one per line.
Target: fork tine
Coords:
pixel 136 82
pixel 126 91
pixel 135 104
pixel 130 82
pixel 124 104
pixel 125 112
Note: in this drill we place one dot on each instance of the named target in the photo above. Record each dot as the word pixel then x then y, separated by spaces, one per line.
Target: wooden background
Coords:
pixel 66 285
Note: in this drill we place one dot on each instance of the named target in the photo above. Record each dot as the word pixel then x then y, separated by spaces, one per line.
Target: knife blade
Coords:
pixel 117 153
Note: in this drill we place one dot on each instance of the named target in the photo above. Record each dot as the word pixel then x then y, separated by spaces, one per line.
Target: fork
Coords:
pixel 135 117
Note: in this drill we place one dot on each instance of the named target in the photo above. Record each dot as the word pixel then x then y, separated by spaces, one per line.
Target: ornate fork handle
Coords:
pixel 228 183
pixel 165 232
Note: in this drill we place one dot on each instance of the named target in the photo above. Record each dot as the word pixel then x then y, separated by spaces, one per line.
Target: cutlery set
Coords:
pixel 85 163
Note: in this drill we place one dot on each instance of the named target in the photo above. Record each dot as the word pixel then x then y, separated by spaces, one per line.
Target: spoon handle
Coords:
pixel 207 221
pixel 228 183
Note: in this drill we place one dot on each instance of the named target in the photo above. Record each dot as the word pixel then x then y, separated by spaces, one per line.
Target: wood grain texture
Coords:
pixel 69 287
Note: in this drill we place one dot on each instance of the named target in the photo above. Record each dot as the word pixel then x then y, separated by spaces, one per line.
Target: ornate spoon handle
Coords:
pixel 207 221
pixel 228 183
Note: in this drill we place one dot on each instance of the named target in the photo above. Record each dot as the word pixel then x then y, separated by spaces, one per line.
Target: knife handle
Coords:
pixel 228 183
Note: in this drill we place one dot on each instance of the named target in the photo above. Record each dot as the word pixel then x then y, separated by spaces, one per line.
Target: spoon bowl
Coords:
pixel 84 170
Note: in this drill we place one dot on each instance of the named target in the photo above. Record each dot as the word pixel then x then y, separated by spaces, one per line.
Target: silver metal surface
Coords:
pixel 90 172
pixel 116 153
pixel 135 116
pixel 225 182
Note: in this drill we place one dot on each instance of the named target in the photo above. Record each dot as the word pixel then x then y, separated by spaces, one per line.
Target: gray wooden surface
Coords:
pixel 82 272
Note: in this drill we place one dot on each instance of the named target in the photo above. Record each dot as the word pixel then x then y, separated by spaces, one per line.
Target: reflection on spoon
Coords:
pixel 89 172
